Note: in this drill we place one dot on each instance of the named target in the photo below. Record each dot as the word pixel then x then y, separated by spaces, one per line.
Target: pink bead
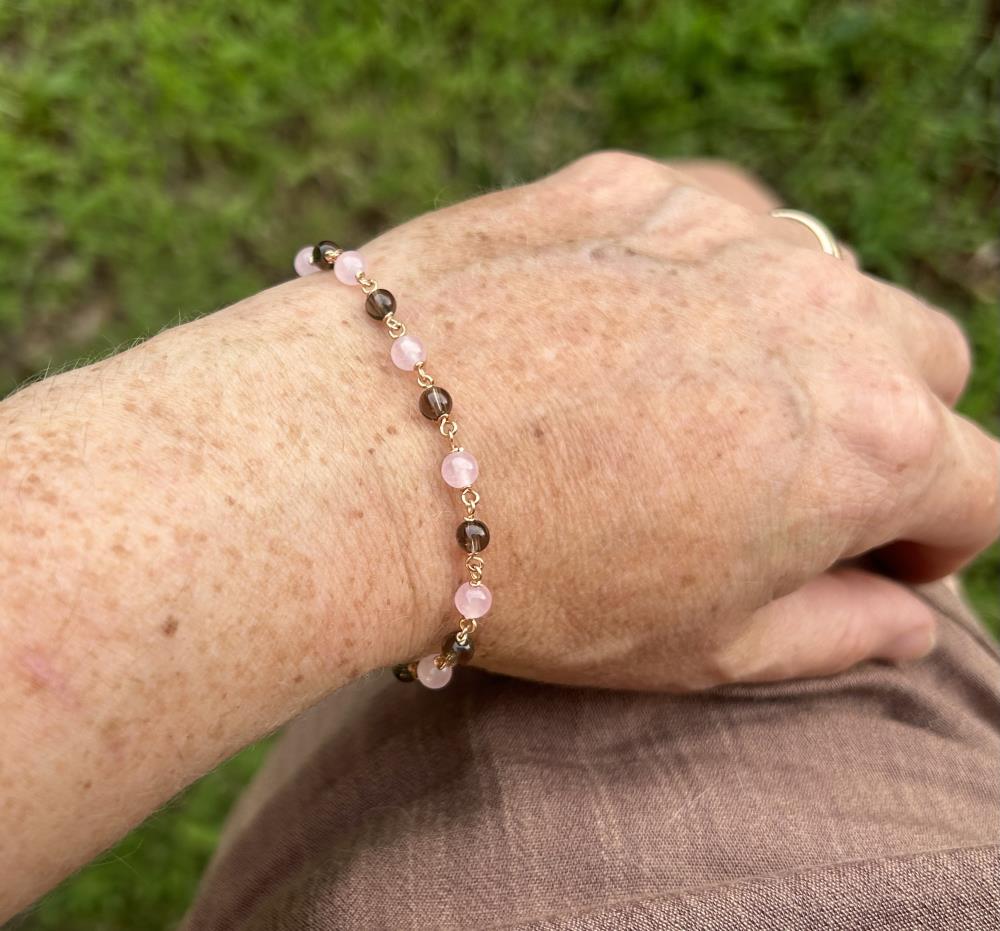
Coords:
pixel 347 266
pixel 429 674
pixel 473 600
pixel 459 469
pixel 407 353
pixel 303 262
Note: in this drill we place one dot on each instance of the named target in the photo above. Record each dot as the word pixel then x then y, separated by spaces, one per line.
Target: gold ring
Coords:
pixel 826 239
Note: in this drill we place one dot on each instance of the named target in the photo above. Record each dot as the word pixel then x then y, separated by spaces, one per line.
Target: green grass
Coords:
pixel 159 160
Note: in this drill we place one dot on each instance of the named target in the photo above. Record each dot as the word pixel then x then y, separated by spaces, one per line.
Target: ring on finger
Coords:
pixel 827 241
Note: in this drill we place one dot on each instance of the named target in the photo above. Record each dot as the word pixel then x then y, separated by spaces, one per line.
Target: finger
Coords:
pixel 945 507
pixel 730 182
pixel 742 188
pixel 956 517
pixel 933 340
pixel 833 622
pixel 957 513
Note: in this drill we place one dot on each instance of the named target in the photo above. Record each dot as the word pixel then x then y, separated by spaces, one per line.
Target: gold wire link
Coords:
pixel 466 628
pixel 423 379
pixel 470 498
pixel 367 284
pixel 448 429
pixel 331 255
pixel 475 564
pixel 396 326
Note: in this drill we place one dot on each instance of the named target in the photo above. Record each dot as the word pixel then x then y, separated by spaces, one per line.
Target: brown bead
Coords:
pixel 380 304
pixel 463 651
pixel 473 536
pixel 319 253
pixel 435 402
pixel 405 672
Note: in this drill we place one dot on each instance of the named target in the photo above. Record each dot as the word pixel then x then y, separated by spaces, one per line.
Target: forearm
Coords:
pixel 161 604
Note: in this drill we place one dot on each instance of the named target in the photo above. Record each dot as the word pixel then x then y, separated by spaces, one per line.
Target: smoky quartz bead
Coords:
pixel 405 672
pixel 435 402
pixel 380 304
pixel 463 651
pixel 319 253
pixel 473 536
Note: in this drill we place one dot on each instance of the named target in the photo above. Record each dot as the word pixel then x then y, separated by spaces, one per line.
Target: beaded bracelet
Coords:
pixel 459 468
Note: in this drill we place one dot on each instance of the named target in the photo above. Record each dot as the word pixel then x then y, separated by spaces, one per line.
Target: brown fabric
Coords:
pixel 870 800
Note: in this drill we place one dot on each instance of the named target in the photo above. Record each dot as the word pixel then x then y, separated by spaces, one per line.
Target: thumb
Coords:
pixel 833 622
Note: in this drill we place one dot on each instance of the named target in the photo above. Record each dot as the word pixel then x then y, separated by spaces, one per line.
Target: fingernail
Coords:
pixel 914 644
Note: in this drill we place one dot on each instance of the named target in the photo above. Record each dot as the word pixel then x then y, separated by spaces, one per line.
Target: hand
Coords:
pixel 689 422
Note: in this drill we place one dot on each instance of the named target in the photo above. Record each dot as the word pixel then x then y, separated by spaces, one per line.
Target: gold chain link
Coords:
pixel 367 284
pixel 423 379
pixel 470 498
pixel 448 428
pixel 396 326
pixel 475 564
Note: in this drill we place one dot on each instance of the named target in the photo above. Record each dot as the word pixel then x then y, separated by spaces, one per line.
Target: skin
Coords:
pixel 695 432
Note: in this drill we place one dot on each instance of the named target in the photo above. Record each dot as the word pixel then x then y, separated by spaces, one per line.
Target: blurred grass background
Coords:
pixel 162 159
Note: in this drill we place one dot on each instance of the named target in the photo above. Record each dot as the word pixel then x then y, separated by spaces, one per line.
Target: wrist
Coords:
pixel 337 453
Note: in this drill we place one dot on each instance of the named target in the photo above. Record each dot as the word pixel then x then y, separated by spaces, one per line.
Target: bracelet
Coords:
pixel 459 468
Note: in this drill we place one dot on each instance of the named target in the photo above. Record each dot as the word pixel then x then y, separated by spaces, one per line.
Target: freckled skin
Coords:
pixel 675 424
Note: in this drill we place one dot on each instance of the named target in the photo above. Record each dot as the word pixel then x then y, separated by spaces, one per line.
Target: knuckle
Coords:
pixel 611 167
pixel 894 421
pixel 821 281
pixel 956 344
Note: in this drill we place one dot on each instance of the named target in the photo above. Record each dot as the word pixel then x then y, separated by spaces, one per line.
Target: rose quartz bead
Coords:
pixel 347 266
pixel 430 675
pixel 303 262
pixel 459 469
pixel 473 600
pixel 407 353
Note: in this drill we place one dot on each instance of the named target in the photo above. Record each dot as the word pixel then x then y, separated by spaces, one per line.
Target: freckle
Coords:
pixel 355 514
pixel 538 433
pixel 87 784
pixel 111 732
pixel 230 500
pixel 348 642
pixel 157 410
pixel 371 452
pixel 216 587
pixel 279 445
pixel 119 549
pixel 130 406
pixel 298 678
pixel 391 430
pixel 686 581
